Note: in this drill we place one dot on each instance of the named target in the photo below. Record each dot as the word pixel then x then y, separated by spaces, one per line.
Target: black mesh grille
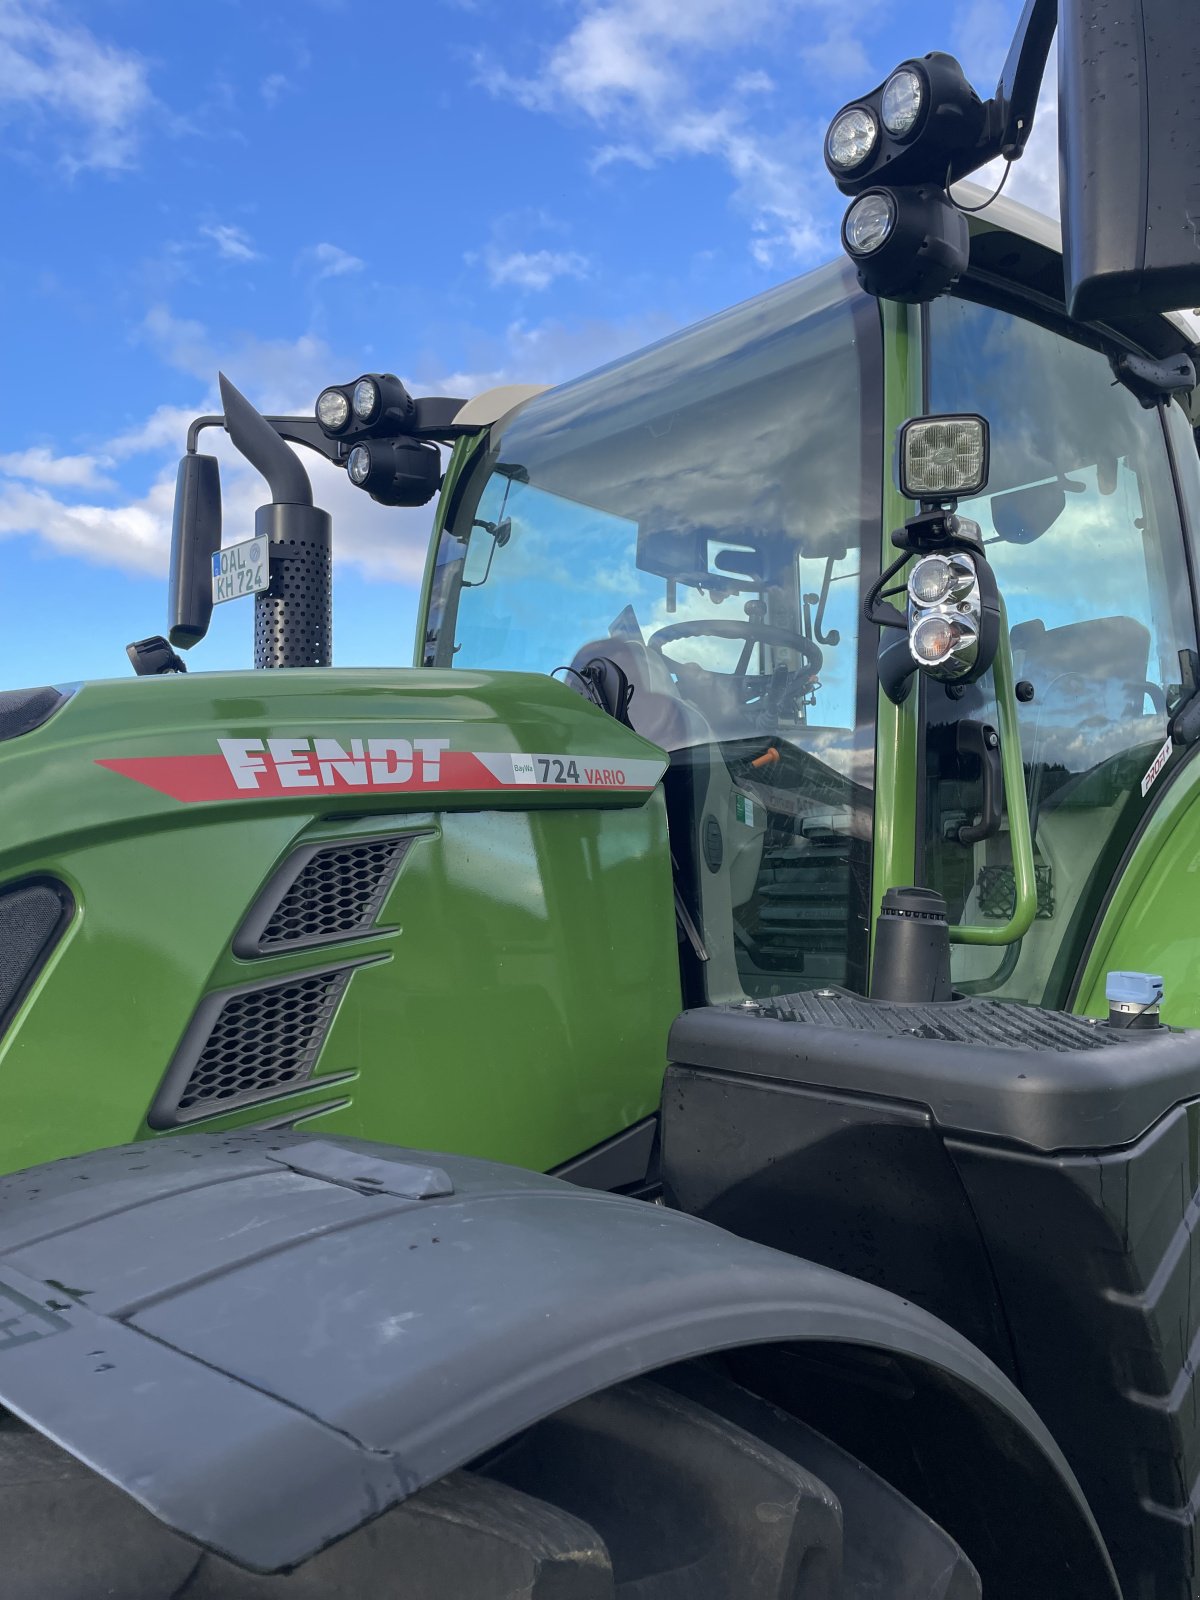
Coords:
pixel 32 916
pixel 339 892
pixel 997 891
pixel 263 1040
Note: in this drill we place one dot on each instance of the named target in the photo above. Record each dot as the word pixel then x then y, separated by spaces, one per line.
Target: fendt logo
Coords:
pixel 286 768
pixel 326 764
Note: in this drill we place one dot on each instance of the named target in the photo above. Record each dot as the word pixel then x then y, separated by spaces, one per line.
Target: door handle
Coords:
pixel 981 741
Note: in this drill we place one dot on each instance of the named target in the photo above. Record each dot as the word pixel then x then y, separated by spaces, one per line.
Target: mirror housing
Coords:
pixel 195 537
pixel 1129 136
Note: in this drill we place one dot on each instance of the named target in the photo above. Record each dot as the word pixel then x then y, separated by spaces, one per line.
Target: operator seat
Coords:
pixel 1089 705
pixel 655 709
pixel 700 798
pixel 1085 675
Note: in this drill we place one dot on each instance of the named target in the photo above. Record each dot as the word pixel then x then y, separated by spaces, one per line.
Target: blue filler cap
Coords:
pixel 1133 988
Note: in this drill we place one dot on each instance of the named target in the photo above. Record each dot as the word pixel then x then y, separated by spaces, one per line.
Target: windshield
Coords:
pixel 696 514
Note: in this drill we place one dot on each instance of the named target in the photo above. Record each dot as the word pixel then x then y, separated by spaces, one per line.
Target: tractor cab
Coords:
pixel 682 535
pixel 690 535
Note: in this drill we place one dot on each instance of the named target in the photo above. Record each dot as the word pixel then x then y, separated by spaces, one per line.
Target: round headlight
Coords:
pixel 358 467
pixel 939 580
pixel 869 223
pixel 333 410
pixel 366 399
pixel 903 100
pixel 852 136
pixel 929 580
pixel 932 639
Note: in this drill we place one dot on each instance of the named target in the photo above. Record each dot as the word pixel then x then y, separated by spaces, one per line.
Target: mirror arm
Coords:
pixel 1008 115
pixel 297 430
pixel 1015 101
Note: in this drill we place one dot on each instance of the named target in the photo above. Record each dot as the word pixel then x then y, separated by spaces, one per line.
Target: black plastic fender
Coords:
pixel 267 1340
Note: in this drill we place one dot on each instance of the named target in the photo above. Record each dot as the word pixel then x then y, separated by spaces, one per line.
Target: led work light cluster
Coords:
pixel 369 419
pixel 952 614
pixel 906 237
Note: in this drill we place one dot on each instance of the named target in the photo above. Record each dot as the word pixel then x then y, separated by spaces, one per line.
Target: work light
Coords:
pixel 943 458
pixel 903 101
pixel 396 472
pixel 358 464
pixel 333 409
pixel 908 244
pixel 366 399
pixel 852 137
pixel 868 222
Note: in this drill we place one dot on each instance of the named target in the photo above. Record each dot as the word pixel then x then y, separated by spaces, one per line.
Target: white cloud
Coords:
pixel 653 75
pixel 515 257
pixel 536 269
pixel 164 429
pixel 40 465
pixel 233 243
pixel 273 87
pixel 91 93
pixel 279 376
pixel 756 82
pixel 133 537
pixel 331 261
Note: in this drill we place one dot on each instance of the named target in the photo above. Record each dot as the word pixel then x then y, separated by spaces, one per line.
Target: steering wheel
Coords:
pixel 751 631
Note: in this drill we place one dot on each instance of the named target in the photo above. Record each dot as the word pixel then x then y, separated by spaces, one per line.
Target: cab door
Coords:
pixel 1083 527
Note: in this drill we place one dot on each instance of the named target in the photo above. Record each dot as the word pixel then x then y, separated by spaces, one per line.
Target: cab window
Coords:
pixel 1082 527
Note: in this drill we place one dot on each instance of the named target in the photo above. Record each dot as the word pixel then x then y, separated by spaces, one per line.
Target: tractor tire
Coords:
pixel 684 1488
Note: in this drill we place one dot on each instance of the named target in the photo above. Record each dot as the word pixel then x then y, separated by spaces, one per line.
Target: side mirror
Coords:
pixel 486 538
pixel 1129 137
pixel 195 537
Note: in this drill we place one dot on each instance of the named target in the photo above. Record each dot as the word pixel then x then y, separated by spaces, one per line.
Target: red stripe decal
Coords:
pixel 209 778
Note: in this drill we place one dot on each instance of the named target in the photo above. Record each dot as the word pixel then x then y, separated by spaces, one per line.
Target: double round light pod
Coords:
pixel 376 403
pixel 854 133
pixel 944 615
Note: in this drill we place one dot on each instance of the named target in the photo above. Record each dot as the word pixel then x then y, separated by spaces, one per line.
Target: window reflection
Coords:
pixel 1082 528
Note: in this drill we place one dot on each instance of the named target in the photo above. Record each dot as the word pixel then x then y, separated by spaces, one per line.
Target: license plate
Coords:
pixel 239 569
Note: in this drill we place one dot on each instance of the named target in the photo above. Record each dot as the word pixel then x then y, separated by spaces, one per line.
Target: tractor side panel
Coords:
pixel 436 943
pixel 1151 921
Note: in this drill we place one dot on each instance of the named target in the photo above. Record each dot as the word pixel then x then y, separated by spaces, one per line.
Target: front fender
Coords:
pixel 267 1339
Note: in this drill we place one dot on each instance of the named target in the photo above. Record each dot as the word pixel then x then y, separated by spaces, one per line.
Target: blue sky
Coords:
pixel 465 192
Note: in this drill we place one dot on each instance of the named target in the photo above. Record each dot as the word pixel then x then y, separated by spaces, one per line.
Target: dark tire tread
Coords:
pixel 685 1488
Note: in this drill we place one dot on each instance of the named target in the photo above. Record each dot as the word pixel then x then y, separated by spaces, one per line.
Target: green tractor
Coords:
pixel 771 894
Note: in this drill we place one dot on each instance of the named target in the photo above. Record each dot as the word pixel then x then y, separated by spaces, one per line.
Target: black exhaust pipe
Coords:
pixel 293 618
